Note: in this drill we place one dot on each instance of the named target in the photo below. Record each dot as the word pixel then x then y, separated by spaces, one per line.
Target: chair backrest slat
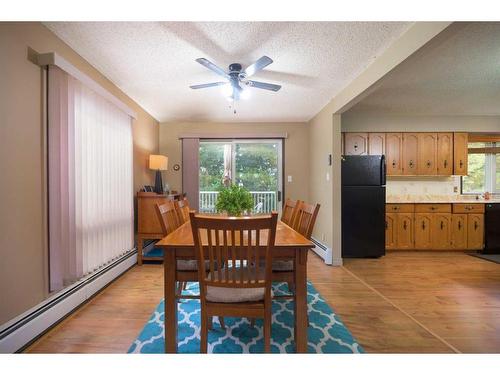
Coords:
pixel 182 209
pixel 167 217
pixel 236 249
pixel 306 218
pixel 289 214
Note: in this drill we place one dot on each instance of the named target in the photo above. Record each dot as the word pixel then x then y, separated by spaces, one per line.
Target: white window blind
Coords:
pixel 90 180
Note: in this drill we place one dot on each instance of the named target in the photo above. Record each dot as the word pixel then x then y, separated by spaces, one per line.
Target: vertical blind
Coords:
pixel 90 180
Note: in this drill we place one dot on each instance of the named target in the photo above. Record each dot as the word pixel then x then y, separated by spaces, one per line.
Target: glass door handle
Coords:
pixel 279 196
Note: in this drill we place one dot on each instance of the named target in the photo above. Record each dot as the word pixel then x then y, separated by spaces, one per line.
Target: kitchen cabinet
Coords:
pixel 376 143
pixel 442 226
pixel 410 153
pixel 423 237
pixel 427 154
pixel 475 231
pixel 441 231
pixel 393 149
pixel 460 153
pixel 444 157
pixel 404 231
pixel 459 231
pixel 390 232
pixel 356 143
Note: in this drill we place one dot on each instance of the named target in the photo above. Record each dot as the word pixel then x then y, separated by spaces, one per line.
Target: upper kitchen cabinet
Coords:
pixel 410 153
pixel 356 143
pixel 427 154
pixel 376 143
pixel 460 153
pixel 393 153
pixel 444 154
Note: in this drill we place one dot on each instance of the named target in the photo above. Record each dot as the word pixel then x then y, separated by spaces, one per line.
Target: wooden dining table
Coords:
pixel 289 244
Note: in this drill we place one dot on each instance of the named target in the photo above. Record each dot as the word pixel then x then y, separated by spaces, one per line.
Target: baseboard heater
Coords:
pixel 21 331
pixel 323 251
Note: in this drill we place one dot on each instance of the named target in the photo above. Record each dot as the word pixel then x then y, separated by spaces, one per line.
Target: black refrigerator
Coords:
pixel 363 206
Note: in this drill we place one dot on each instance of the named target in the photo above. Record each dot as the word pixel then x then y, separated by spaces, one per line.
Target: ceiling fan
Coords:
pixel 235 78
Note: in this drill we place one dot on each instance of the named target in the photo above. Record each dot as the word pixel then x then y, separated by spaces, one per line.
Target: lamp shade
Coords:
pixel 158 162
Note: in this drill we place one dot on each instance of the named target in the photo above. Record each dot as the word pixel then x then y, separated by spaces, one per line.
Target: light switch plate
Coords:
pixel 289 179
pixel 327 176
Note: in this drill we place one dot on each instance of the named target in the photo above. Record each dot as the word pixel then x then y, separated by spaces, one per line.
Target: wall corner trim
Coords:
pixel 52 58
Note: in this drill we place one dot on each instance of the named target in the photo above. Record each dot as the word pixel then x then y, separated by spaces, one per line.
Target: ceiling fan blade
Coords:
pixel 258 65
pixel 214 68
pixel 205 85
pixel 263 85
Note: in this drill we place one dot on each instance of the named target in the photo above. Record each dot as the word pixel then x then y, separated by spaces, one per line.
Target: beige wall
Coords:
pixel 324 139
pixel 23 266
pixel 296 149
pixel 353 122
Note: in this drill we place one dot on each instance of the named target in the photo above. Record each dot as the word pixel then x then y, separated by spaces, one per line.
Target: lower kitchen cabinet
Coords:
pixel 399 231
pixel 459 231
pixel 423 237
pixel 390 232
pixel 434 227
pixel 441 231
pixel 475 231
pixel 404 231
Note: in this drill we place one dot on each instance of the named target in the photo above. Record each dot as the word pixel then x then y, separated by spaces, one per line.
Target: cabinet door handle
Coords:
pixel 428 163
pixel 355 146
pixel 433 208
pixel 411 163
pixel 459 225
pixel 475 225
pixel 442 225
pixel 445 163
pixel 461 163
pixel 386 225
pixel 394 163
pixel 423 225
pixel 404 224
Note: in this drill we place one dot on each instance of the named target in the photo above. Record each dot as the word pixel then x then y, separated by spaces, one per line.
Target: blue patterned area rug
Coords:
pixel 326 332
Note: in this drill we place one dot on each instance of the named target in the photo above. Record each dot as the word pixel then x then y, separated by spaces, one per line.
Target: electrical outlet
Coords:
pixel 455 189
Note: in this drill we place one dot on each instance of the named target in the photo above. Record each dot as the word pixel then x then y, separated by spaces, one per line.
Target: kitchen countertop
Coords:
pixel 392 199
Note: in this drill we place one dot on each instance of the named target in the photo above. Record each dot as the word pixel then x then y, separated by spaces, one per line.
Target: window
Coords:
pixel 253 164
pixel 483 168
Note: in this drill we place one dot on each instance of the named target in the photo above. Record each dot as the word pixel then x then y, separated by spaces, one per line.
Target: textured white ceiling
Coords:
pixel 456 73
pixel 154 63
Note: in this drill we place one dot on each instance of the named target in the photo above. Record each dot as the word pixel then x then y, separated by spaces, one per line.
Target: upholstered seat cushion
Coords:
pixel 189 265
pixel 235 295
pixel 282 265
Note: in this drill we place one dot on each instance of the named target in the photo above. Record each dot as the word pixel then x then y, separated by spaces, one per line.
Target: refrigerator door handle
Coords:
pixel 382 170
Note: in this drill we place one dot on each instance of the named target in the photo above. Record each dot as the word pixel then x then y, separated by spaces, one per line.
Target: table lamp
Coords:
pixel 158 163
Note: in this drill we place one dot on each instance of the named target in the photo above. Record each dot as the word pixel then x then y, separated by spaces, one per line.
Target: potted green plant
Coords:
pixel 234 200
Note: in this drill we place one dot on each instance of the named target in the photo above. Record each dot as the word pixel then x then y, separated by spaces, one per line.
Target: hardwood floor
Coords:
pixel 405 302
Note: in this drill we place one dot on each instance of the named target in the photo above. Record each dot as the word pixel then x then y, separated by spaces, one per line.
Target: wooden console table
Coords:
pixel 148 226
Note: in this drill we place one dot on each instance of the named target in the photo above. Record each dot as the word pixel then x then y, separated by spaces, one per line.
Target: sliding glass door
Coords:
pixel 253 164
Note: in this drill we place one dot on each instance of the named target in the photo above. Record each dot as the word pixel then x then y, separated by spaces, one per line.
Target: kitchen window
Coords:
pixel 483 168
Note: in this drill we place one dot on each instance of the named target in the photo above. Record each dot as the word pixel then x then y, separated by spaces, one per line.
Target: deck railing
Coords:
pixel 263 201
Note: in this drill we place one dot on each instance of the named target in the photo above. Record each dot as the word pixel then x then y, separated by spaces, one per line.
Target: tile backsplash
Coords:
pixel 449 185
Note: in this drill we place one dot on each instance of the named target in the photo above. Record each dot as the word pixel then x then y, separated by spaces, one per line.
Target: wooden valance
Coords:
pixel 484 137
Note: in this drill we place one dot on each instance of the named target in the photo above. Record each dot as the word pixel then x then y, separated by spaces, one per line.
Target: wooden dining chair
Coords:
pixel 289 212
pixel 242 288
pixel 169 222
pixel 182 209
pixel 305 218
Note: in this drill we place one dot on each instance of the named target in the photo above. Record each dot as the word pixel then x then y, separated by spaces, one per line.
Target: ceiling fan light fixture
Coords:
pixel 227 90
